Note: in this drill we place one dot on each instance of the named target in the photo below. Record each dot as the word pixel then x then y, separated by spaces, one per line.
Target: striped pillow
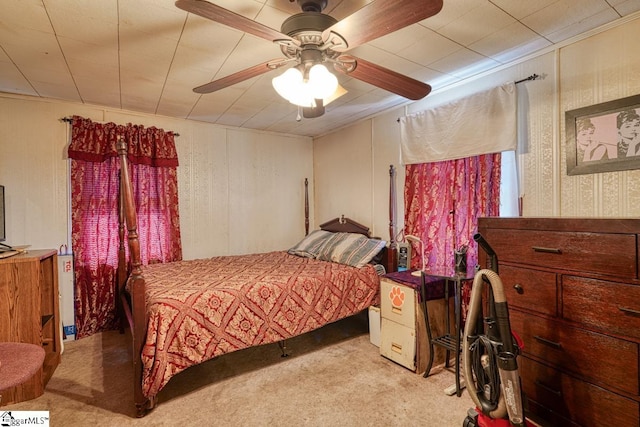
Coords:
pixel 311 244
pixel 351 249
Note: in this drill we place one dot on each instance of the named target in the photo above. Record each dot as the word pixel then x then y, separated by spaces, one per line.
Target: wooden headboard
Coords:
pixel 345 225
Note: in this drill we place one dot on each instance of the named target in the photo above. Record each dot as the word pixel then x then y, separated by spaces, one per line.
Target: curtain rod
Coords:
pixel 531 77
pixel 69 120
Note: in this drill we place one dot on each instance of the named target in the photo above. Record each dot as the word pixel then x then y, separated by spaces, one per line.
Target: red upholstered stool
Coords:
pixel 18 363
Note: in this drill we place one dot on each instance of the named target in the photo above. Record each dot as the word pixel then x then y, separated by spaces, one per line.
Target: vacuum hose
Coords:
pixel 503 354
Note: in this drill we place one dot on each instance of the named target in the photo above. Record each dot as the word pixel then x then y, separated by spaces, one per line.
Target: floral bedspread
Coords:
pixel 200 309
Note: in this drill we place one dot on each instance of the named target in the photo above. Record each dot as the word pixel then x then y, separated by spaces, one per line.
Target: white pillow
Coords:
pixel 311 244
pixel 351 249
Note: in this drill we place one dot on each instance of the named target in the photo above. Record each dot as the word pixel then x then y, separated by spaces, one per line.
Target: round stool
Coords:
pixel 18 363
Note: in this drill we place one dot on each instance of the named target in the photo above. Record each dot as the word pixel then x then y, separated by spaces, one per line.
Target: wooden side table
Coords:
pixel 451 338
pixel 29 313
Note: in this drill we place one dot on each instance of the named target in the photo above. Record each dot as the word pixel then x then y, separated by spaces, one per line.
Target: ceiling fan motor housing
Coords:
pixel 307 22
pixel 312 5
pixel 307 28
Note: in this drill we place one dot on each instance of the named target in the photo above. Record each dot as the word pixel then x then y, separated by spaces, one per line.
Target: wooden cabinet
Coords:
pixel 573 291
pixel 29 313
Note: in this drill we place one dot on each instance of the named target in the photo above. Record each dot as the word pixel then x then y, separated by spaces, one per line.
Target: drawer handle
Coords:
pixel 548 342
pixel 629 311
pixel 519 289
pixel 396 347
pixel 547 250
pixel 549 389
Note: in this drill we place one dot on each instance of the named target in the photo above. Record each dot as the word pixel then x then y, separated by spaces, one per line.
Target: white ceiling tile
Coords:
pixel 480 22
pixel 272 17
pixel 401 39
pixel 93 22
pixel 586 24
pixel 561 14
pixel 452 10
pixel 107 93
pixel 522 9
pixel 104 55
pixel 460 62
pixel 208 36
pixel 625 7
pixel 12 80
pixel 508 43
pixel 148 55
pixel 90 72
pixel 30 14
pixel 56 88
pixel 429 49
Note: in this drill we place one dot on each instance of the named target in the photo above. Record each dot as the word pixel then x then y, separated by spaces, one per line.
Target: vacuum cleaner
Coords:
pixel 490 352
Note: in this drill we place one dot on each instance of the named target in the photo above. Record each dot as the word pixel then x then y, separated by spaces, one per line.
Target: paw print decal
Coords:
pixel 396 296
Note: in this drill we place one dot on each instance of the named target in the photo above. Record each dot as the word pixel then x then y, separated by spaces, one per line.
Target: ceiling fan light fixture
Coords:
pixel 291 85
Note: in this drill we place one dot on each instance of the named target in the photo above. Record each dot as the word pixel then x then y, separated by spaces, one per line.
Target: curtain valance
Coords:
pixel 95 142
pixel 479 124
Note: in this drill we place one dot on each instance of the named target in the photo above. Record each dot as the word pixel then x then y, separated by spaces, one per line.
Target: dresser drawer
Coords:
pixel 584 403
pixel 596 357
pixel 610 306
pixel 398 303
pixel 398 343
pixel 530 289
pixel 603 253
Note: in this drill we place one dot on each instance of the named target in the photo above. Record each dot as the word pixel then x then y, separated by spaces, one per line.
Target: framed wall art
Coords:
pixel 604 137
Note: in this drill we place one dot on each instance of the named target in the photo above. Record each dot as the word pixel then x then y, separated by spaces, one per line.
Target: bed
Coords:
pixel 183 313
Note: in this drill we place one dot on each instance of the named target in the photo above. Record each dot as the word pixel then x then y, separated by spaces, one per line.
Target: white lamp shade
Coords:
pixel 286 83
pixel 291 86
pixel 322 82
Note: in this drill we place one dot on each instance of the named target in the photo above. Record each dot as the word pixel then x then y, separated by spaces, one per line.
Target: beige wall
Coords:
pixel 240 191
pixel 601 68
pixel 588 71
pixel 344 162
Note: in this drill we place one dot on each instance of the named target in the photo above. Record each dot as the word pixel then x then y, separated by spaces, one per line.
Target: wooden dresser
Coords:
pixel 573 292
pixel 29 313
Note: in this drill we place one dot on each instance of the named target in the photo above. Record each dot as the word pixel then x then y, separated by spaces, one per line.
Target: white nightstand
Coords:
pixel 403 336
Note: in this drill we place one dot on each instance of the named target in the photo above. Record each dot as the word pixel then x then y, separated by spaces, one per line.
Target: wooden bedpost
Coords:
pixel 122 260
pixel 306 207
pixel 135 306
pixel 392 259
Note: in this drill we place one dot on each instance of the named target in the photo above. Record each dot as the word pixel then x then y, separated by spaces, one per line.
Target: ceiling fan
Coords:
pixel 313 40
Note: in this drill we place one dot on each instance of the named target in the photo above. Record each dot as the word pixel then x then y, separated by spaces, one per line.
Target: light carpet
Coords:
pixel 333 377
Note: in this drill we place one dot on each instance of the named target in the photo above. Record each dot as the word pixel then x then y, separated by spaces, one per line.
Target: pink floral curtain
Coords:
pixel 94 211
pixel 443 201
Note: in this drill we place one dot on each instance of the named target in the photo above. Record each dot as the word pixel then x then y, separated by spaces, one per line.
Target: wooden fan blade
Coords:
pixel 240 76
pixel 231 19
pixel 379 18
pixel 385 79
